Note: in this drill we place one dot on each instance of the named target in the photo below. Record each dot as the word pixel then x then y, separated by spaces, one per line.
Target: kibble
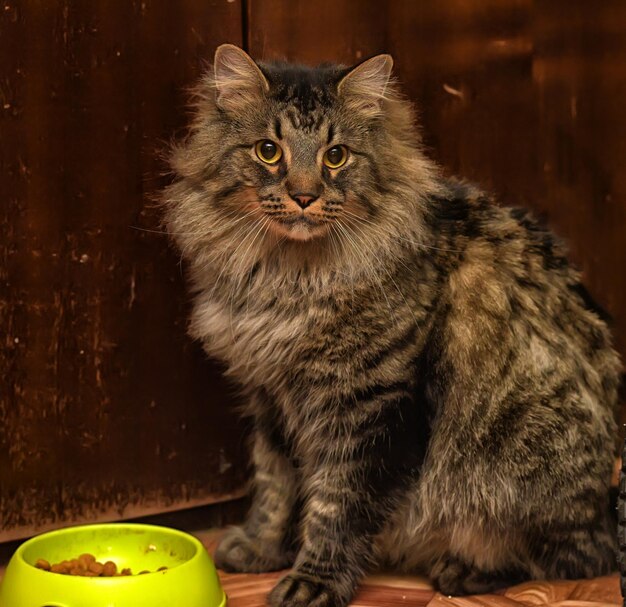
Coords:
pixel 86 565
pixel 109 569
pixel 96 568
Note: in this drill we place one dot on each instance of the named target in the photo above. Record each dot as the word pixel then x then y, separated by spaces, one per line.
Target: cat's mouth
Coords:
pixel 299 227
pixel 300 220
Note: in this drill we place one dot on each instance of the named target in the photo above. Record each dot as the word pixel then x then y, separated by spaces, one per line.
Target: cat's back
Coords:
pixel 511 289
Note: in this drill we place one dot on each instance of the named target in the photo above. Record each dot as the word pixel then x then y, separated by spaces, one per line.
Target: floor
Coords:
pixel 247 590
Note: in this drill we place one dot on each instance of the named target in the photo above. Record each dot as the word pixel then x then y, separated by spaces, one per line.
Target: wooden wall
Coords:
pixel 107 409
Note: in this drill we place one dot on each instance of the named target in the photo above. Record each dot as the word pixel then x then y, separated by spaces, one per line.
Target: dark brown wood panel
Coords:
pixel 525 98
pixel 107 409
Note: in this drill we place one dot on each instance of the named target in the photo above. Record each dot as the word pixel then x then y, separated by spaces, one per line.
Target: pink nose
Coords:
pixel 303 200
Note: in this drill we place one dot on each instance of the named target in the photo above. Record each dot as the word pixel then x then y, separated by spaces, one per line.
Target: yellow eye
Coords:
pixel 268 151
pixel 336 156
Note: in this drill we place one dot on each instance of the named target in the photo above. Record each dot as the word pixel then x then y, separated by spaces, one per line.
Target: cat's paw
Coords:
pixel 296 590
pixel 238 553
pixel 448 576
pixel 454 577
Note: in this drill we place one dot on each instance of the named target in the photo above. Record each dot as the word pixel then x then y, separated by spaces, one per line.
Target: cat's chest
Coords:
pixel 256 341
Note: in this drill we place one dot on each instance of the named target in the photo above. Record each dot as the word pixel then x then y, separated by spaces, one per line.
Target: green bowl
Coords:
pixel 189 581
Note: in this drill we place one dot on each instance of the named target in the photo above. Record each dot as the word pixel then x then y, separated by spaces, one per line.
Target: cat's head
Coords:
pixel 303 152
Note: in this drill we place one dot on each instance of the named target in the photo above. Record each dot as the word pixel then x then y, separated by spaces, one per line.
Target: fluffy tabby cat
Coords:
pixel 431 387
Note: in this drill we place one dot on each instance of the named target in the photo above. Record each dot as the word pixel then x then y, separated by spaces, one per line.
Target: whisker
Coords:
pixel 400 237
pixel 225 263
pixel 237 285
pixel 397 258
pixel 249 289
pixel 163 233
pixel 382 265
pixel 333 233
pixel 369 268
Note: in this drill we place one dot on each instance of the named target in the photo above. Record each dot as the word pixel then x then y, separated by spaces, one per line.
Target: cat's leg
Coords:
pixel 265 541
pixel 562 552
pixel 570 537
pixel 459 559
pixel 479 558
pixel 574 552
pixel 560 536
pixel 349 498
pixel 336 544
pixel 523 444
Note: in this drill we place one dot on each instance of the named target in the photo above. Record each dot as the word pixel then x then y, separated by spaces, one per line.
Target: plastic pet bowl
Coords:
pixel 190 579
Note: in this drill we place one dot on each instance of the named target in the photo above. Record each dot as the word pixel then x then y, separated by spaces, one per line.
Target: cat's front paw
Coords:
pixel 296 590
pixel 239 553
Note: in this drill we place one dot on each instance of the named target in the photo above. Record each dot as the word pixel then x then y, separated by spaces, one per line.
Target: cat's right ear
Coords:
pixel 365 85
pixel 238 79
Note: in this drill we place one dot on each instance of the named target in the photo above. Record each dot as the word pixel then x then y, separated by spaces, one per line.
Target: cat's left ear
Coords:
pixel 365 85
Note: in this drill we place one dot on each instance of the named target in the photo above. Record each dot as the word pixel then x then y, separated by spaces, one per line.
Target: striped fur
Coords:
pixel 430 387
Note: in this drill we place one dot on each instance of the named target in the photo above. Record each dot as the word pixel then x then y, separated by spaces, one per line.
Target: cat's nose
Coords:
pixel 303 200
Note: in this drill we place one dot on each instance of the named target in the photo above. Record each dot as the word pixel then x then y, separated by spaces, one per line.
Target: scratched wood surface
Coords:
pixel 107 409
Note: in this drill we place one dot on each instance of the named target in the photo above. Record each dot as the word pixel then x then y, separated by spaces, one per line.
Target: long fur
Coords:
pixel 431 388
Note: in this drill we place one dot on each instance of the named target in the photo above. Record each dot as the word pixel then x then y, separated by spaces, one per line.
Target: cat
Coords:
pixel 431 386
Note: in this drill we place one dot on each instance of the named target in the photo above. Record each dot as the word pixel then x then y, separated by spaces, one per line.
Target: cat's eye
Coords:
pixel 268 151
pixel 336 156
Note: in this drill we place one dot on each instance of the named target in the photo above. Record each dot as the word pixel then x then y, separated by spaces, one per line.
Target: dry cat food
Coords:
pixel 86 565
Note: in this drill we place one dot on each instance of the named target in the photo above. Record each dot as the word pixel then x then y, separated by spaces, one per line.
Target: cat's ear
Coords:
pixel 365 85
pixel 238 79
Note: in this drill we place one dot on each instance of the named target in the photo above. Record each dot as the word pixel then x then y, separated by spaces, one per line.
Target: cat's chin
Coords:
pixel 299 230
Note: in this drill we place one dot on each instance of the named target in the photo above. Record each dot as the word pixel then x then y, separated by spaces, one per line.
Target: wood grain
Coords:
pixel 388 590
pixel 107 409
